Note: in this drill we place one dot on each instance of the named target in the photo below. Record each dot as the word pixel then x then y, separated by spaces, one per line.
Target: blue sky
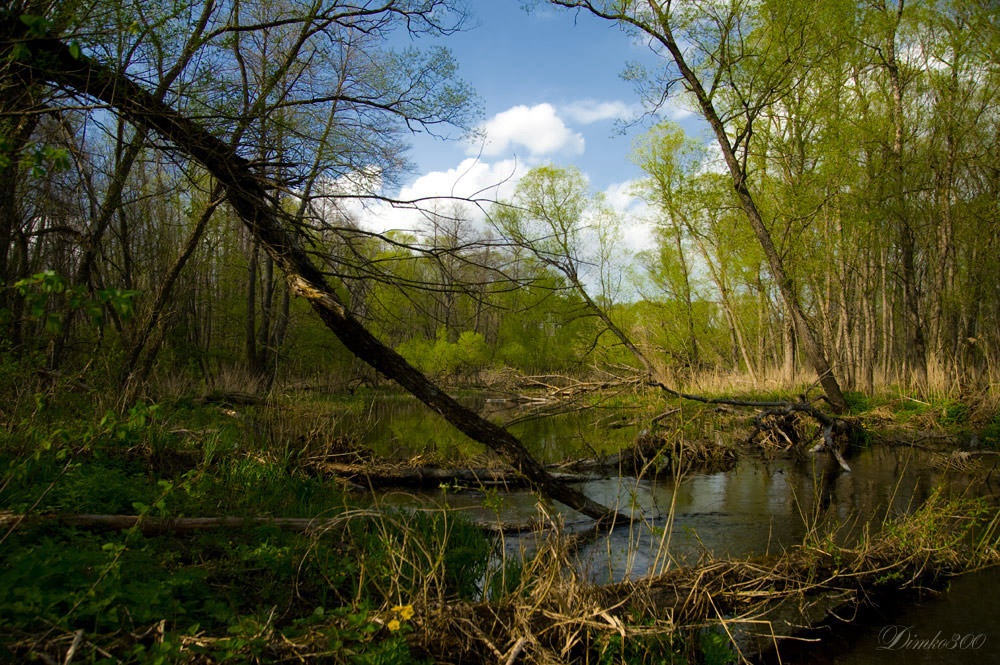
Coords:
pixel 551 90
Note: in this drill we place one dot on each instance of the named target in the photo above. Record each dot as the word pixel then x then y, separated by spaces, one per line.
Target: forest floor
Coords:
pixel 346 583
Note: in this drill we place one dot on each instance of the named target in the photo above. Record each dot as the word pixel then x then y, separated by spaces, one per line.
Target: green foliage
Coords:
pixel 105 582
pixel 991 434
pixel 38 26
pixel 954 414
pixel 658 648
pixel 110 583
pixel 407 552
pixel 466 356
pixel 39 290
pixel 197 584
pixel 716 647
pixel 858 402
pixel 506 580
pixel 713 647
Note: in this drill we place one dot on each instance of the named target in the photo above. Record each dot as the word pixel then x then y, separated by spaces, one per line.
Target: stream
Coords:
pixel 766 506
pixel 757 507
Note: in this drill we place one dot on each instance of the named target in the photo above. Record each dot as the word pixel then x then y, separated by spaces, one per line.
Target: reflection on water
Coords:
pixel 400 427
pixel 959 627
pixel 756 508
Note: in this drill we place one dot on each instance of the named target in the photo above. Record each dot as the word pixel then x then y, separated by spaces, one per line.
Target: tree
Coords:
pixel 669 159
pixel 724 52
pixel 553 216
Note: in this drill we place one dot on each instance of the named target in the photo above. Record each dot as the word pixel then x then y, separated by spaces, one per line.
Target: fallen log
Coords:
pixel 231 398
pixel 428 476
pixel 48 59
pixel 153 526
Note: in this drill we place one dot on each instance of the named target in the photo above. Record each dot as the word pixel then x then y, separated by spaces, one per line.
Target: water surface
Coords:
pixel 756 508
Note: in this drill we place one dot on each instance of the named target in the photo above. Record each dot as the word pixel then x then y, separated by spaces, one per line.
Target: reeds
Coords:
pixel 555 616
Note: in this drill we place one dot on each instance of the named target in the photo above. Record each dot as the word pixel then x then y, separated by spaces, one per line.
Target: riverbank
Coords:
pixel 365 585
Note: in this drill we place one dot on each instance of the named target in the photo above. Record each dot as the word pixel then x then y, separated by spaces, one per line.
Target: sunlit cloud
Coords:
pixel 539 129
pixel 638 228
pixel 467 191
pixel 587 111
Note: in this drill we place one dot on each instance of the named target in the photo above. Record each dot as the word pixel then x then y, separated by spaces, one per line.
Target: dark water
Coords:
pixel 400 427
pixel 960 625
pixel 767 506
pixel 757 507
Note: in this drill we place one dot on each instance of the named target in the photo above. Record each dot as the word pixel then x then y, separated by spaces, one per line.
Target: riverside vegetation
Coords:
pixel 350 582
pixel 197 336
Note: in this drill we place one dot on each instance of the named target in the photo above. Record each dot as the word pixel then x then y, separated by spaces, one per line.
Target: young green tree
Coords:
pixel 554 217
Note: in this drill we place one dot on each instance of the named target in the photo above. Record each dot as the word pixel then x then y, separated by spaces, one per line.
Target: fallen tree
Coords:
pixel 153 526
pixel 34 60
pixel 399 475
pixel 547 219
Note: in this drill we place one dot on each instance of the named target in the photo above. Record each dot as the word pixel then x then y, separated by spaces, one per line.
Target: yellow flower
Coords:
pixel 393 626
pixel 405 611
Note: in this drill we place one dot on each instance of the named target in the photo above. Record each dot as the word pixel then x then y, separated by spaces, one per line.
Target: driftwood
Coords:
pixel 231 398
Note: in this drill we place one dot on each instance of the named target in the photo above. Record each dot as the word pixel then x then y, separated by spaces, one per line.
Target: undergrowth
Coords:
pixel 360 587
pixel 225 595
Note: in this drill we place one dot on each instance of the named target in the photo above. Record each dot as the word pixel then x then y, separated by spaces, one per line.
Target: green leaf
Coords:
pixel 38 26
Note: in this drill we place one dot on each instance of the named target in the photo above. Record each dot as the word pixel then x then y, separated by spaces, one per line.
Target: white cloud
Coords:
pixel 715 161
pixel 587 111
pixel 480 182
pixel 637 226
pixel 620 197
pixel 677 112
pixel 537 128
pixel 472 178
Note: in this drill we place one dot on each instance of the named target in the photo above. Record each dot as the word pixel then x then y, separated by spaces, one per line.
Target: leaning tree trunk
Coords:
pixel 812 349
pixel 50 60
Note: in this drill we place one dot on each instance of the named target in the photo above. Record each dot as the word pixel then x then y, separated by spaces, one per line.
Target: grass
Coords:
pixel 230 595
pixel 392 587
